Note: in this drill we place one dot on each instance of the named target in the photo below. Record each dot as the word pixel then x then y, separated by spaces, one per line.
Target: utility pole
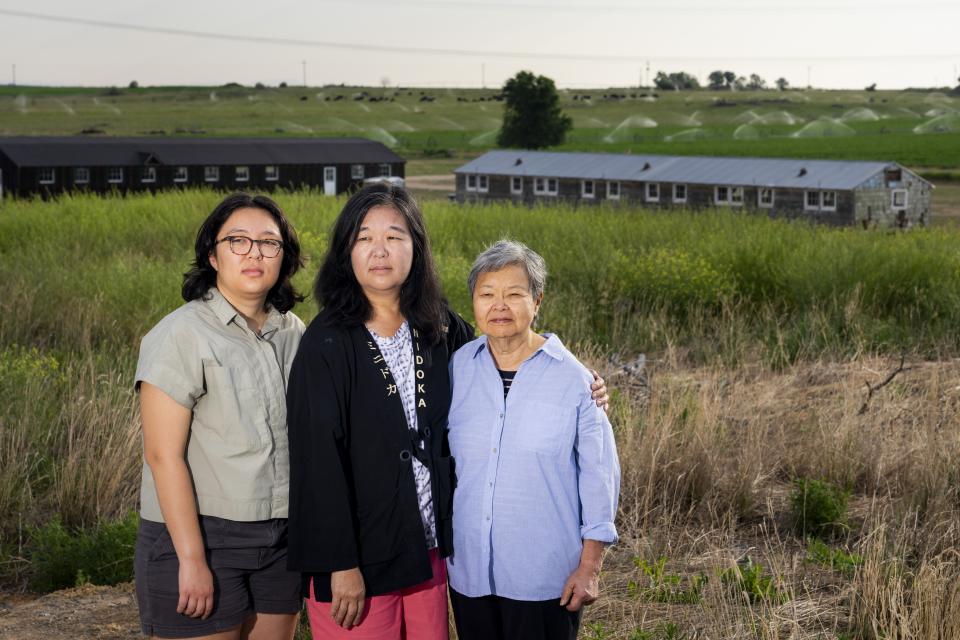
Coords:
pixel 304 63
pixel 14 74
pixel 648 72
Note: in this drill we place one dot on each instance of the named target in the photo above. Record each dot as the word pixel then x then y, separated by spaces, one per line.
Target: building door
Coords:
pixel 329 181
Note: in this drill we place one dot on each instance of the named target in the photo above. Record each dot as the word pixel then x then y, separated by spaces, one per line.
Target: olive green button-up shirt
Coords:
pixel 205 357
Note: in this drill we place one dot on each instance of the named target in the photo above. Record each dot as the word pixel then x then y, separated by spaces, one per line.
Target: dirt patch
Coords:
pixel 108 613
pixel 444 182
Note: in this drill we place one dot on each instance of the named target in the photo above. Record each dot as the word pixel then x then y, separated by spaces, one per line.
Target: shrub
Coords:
pixel 666 587
pixel 818 507
pixel 820 553
pixel 102 554
pixel 747 581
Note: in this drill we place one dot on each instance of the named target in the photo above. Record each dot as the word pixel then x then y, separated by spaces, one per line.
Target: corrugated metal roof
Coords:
pixel 78 151
pixel 773 172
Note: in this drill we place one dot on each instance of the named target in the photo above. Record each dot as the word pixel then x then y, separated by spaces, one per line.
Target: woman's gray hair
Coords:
pixel 504 253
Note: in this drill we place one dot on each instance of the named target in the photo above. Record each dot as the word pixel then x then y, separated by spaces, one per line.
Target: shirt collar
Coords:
pixel 552 347
pixel 226 314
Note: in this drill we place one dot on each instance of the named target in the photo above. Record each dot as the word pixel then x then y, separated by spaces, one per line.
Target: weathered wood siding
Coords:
pixel 871 202
pixel 26 181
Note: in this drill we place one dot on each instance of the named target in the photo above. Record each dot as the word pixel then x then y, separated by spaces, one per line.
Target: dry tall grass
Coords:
pixel 707 471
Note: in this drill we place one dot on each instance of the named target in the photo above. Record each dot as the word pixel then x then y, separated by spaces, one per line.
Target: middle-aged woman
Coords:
pixel 210 557
pixel 371 477
pixel 537 472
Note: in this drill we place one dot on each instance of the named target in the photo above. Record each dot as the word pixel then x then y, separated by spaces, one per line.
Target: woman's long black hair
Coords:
pixel 201 276
pixel 339 294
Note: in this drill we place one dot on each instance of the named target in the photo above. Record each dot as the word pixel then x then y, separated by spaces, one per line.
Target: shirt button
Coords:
pixel 494 449
pixel 501 415
pixel 488 518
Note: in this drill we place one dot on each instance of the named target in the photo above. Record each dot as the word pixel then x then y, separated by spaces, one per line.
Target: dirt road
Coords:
pixel 104 613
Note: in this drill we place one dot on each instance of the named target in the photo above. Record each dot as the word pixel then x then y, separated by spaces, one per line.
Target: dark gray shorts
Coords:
pixel 249 565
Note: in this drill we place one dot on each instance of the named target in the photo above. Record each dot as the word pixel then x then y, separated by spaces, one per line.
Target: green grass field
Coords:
pixel 886 125
pixel 632 279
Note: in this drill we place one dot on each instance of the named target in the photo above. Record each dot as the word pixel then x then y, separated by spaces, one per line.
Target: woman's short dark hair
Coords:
pixel 339 293
pixel 202 276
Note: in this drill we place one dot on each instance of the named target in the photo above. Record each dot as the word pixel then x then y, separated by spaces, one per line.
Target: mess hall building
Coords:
pixel 49 166
pixel 837 192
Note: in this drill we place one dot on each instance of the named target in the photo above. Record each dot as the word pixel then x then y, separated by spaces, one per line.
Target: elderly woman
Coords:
pixel 536 465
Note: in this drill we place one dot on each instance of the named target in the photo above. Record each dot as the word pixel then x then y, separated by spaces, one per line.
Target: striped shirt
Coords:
pixel 507 377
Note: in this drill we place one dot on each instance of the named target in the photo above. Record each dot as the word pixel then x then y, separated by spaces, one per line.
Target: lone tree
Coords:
pixel 532 118
pixel 678 81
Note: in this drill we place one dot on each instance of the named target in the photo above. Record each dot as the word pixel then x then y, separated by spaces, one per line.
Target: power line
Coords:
pixel 653 8
pixel 530 55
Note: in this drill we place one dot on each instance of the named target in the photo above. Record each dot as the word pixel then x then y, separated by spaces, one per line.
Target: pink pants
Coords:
pixel 415 613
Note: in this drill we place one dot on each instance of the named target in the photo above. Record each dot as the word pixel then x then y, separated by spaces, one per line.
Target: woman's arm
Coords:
pixel 166 427
pixel 583 585
pixel 599 490
pixel 321 532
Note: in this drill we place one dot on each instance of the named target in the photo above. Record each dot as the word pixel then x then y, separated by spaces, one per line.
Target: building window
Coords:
pixel 811 200
pixel 545 186
pixel 211 174
pixel 613 190
pixel 828 200
pixel 115 175
pixel 471 183
pixel 148 174
pixel 516 185
pixel 385 170
pixel 680 193
pixel 721 195
pixel 899 199
pixel 736 196
pixel 765 198
pixel 587 189
pixel 271 172
pixel 242 174
pixel 483 184
pixel 653 192
pixel 180 174
pixel 356 172
pixel 81 175
pixel 47 176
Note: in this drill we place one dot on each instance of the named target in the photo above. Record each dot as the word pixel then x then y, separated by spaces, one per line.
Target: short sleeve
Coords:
pixel 169 360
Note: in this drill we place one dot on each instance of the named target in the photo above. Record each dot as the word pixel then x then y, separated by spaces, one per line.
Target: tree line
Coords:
pixel 717 81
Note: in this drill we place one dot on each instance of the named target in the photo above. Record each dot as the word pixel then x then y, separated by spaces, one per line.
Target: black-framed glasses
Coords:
pixel 241 245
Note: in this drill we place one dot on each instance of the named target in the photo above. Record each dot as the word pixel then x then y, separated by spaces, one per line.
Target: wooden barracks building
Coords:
pixel 51 165
pixel 838 192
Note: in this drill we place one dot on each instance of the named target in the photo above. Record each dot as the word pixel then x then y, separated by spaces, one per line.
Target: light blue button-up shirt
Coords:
pixel 537 473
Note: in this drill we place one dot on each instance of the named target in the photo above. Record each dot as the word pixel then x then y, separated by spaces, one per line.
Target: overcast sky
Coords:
pixel 830 43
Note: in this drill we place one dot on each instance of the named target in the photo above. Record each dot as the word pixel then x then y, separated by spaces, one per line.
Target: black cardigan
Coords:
pixel 353 497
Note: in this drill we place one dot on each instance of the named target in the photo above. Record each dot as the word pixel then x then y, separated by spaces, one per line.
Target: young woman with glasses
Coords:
pixel 211 549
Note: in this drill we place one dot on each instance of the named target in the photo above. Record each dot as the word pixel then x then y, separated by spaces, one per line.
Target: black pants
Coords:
pixel 496 618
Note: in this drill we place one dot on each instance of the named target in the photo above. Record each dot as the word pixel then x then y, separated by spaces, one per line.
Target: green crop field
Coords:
pixel 918 129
